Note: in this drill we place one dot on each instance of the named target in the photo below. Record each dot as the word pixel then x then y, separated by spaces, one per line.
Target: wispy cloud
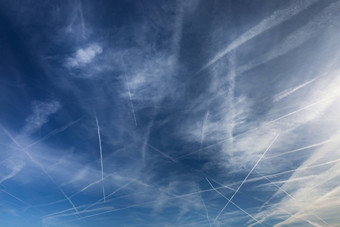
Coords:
pixel 41 111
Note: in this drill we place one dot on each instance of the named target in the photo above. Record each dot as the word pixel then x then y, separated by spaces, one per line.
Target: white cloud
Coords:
pixel 40 115
pixel 84 56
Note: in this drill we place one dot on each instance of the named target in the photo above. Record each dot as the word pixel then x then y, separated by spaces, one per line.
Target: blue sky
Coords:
pixel 169 113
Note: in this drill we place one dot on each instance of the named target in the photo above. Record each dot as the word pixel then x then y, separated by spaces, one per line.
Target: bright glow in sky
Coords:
pixel 169 113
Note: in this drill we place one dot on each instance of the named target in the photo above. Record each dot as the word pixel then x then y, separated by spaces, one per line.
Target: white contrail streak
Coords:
pixel 101 156
pixel 245 179
pixel 290 91
pixel 267 23
pixel 233 203
pixel 86 187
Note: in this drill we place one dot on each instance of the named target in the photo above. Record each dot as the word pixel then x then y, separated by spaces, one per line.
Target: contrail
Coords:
pixel 267 23
pixel 245 179
pixel 101 156
pixel 112 193
pixel 325 195
pixel 120 188
pixel 301 109
pixel 300 149
pixel 292 41
pixel 131 103
pixel 55 215
pixel 218 142
pixel 4 191
pixel 162 153
pixel 41 167
pixel 86 187
pixel 11 137
pixel 233 203
pixel 134 205
pixel 147 202
pixel 147 135
pixel 50 177
pixel 202 132
pixel 206 210
pixel 81 16
pixel 297 169
pixel 290 171
pixel 265 123
pixel 289 195
pixel 90 185
pixel 14 171
pixel 290 91
pixel 53 132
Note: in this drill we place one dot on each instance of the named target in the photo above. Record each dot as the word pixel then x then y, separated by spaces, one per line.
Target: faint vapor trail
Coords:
pixel 202 132
pixel 206 210
pixel 101 156
pixel 86 187
pixel 131 103
pixel 50 177
pixel 232 203
pixel 11 137
pixel 41 167
pixel 267 23
pixel 120 188
pixel 4 191
pixel 131 206
pixel 245 179
pixel 162 153
pixel 112 193
pixel 53 132
pixel 81 16
pixel 147 135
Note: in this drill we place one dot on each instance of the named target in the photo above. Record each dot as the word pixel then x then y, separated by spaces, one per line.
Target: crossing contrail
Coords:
pixel 232 203
pixel 245 179
pixel 101 156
